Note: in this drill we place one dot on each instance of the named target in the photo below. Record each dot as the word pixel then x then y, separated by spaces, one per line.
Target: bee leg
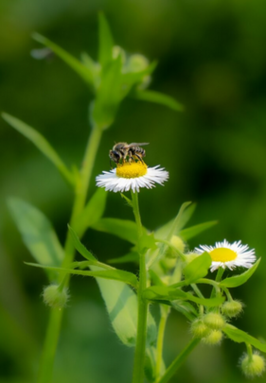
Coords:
pixel 139 158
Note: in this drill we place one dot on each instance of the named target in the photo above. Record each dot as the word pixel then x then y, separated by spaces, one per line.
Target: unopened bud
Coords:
pixel 54 297
pixel 177 243
pixel 232 309
pixel 117 50
pixel 214 337
pixel 214 320
pixel 137 63
pixel 252 365
pixel 199 329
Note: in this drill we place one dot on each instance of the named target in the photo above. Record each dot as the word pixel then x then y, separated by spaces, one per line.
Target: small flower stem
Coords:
pixel 249 350
pixel 54 324
pixel 171 370
pixel 164 315
pixel 139 358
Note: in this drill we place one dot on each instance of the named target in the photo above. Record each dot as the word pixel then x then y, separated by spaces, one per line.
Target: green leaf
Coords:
pixel 158 98
pixel 129 79
pixel 93 211
pixel 174 226
pixel 197 268
pixel 150 364
pixel 41 143
pixel 147 241
pixel 122 306
pixel 186 309
pixel 93 67
pixel 240 336
pixel 121 228
pixel 133 256
pixel 166 293
pixel 192 231
pixel 129 202
pixel 79 247
pixel 108 95
pixel 71 61
pixel 114 274
pixel 239 280
pixel 106 42
pixel 37 233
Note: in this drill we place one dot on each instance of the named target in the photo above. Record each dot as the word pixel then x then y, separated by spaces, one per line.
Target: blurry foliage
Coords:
pixel 212 58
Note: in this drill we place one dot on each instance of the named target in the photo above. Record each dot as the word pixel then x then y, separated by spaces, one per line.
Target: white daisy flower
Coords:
pixel 132 176
pixel 225 254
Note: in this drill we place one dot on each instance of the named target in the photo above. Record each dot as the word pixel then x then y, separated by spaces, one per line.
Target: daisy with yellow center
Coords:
pixel 131 176
pixel 225 254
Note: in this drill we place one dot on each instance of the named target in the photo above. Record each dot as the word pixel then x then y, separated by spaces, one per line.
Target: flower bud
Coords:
pixel 214 320
pixel 214 337
pixel 199 329
pixel 137 63
pixel 117 50
pixel 177 243
pixel 232 309
pixel 54 297
pixel 252 365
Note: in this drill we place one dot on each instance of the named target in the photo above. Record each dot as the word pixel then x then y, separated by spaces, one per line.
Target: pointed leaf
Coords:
pixel 121 228
pixel 93 68
pixel 127 199
pixel 186 309
pixel 158 98
pixel 37 233
pixel 174 226
pixel 122 306
pixel 70 60
pixel 192 231
pixel 93 211
pixel 114 274
pixel 129 79
pixel 198 268
pixel 109 96
pixel 240 336
pixel 41 143
pixel 79 247
pixel 106 41
pixel 130 257
pixel 169 294
pixel 240 279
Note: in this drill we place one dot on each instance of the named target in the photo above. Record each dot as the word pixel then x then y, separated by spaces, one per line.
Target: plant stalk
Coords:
pixel 171 370
pixel 164 315
pixel 139 358
pixel 54 324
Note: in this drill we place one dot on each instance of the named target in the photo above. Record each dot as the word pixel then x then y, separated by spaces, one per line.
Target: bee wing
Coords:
pixel 137 144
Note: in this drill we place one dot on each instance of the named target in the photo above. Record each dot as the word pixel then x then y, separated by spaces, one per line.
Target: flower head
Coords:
pixel 224 255
pixel 132 176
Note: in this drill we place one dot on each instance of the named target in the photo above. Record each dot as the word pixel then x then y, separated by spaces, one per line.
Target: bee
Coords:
pixel 123 150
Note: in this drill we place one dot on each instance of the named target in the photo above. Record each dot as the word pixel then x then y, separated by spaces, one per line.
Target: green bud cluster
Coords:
pixel 54 297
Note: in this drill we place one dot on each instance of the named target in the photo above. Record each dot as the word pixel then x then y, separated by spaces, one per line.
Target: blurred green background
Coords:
pixel 212 58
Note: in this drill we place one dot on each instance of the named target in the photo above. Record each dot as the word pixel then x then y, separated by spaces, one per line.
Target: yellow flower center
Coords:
pixel 223 254
pixel 131 169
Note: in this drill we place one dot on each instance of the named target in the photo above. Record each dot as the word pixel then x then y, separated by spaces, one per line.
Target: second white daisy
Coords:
pixel 132 176
pixel 232 255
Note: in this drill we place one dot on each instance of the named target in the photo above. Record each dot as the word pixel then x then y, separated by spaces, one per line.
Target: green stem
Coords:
pixel 164 315
pixel 139 358
pixel 171 370
pixel 54 324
